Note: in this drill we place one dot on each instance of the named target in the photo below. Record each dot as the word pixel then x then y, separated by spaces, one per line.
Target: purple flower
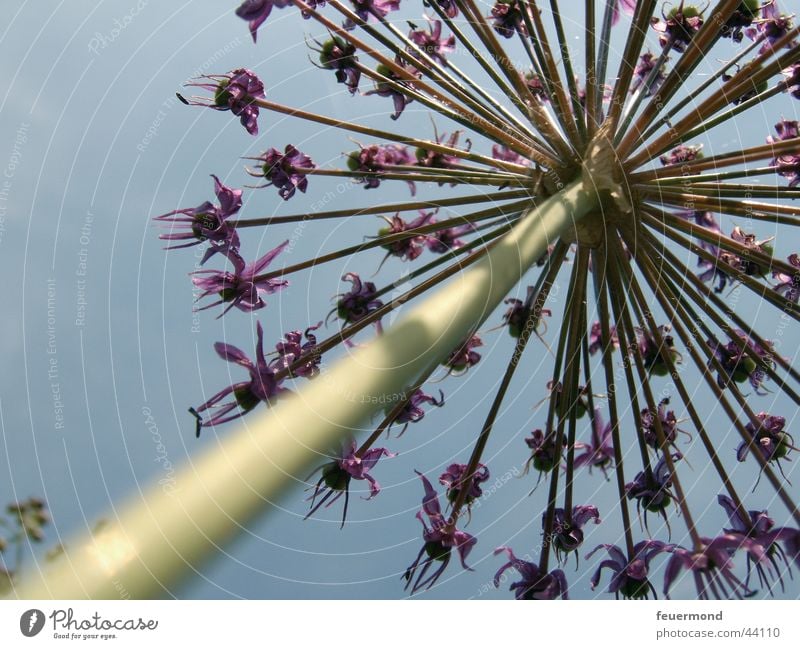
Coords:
pixel 533 584
pixel 759 527
pixel 712 566
pixel 336 476
pixel 292 348
pixel 789 285
pixel 623 6
pixel 283 170
pixel 376 158
pixel 642 72
pixel 412 412
pixel 241 288
pixel 439 539
pixel 769 438
pixel 454 479
pixel 386 89
pixel 743 16
pixel 431 42
pixel 501 152
pixel 358 302
pixel 737 365
pixel 596 342
pixel 449 7
pixel 772 26
pixel 464 356
pixel 599 453
pixel 792 81
pixel 507 18
pixel 679 26
pixel 206 222
pixel 262 386
pixel 518 313
pixel 255 12
pixel 629 577
pixel 339 55
pixel 787 164
pixel 447 240
pixel 682 153
pixel 544 453
pixel 653 356
pixel 567 535
pixel 236 92
pixel 366 8
pixel 651 488
pixel 536 86
pixel 431 159
pixel 669 425
pixel 411 247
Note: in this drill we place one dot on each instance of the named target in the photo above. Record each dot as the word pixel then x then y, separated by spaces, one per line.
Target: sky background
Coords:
pixel 102 352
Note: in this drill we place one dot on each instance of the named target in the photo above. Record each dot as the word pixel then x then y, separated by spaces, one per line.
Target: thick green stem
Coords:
pixel 161 535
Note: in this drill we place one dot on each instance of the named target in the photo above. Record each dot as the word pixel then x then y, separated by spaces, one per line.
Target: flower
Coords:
pixel 432 159
pixel 507 18
pixel 668 421
pixel 338 55
pixel 286 170
pixel 711 566
pixel 376 8
pixel 788 164
pixel 769 438
pixel 408 248
pixel 596 342
pixel 651 489
pixel 359 302
pixel 629 574
pixel 464 356
pixel 336 475
pixel 207 222
pixel 518 313
pixel 682 153
pixel 236 91
pixel 568 531
pixel 292 349
pixel 534 584
pixel 454 479
pixel 656 358
pixel 743 16
pixel 447 239
pixel 376 158
pixel 622 7
pixel 394 86
pixel 439 539
pixel 255 12
pixel 789 285
pixel 737 361
pixel 544 450
pixel 772 26
pixel 599 453
pixel 412 411
pixel 243 288
pixel 646 77
pixel 678 27
pixel 759 527
pixel 263 386
pixel 431 42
